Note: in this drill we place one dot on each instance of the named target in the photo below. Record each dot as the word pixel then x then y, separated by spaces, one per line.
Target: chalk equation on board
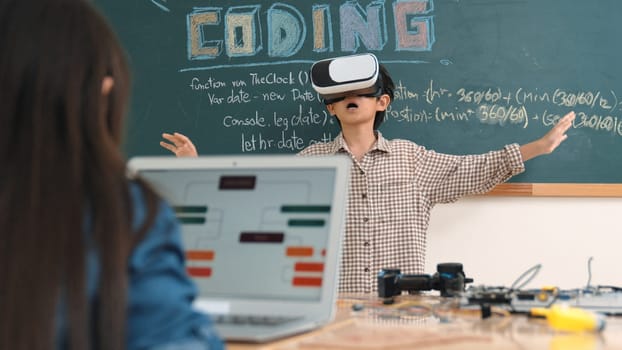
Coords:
pixel 426 103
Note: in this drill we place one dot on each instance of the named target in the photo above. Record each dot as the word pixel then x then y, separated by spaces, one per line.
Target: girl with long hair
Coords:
pixel 89 259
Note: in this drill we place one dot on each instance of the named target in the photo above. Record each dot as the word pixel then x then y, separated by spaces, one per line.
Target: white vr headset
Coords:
pixel 346 73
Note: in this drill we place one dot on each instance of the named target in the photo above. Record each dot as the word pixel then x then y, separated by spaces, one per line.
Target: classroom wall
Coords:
pixel 499 238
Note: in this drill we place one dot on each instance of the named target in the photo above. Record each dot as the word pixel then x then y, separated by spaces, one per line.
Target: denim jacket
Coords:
pixel 160 292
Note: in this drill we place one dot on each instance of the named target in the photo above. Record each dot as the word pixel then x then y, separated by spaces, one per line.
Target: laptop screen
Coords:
pixel 255 232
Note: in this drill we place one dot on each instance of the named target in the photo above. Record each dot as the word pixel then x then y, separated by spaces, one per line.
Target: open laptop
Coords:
pixel 262 236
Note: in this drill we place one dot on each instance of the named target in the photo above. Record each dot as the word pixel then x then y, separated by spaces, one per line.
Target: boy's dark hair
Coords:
pixel 388 87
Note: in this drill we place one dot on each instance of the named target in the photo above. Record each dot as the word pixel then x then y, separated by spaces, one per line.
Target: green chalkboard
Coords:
pixel 471 75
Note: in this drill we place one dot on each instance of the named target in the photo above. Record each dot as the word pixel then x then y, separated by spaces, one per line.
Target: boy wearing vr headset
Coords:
pixel 393 183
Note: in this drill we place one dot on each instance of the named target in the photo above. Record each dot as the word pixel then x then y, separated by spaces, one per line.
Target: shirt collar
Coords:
pixel 382 144
pixel 339 144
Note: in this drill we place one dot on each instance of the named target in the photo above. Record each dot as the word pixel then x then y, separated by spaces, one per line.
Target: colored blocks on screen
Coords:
pixel 299 251
pixel 309 267
pixel 199 271
pixel 307 281
pixel 207 255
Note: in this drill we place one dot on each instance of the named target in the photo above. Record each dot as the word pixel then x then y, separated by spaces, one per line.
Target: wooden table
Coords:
pixel 363 322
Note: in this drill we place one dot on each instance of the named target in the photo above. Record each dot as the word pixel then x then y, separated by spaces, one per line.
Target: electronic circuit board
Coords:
pixel 603 299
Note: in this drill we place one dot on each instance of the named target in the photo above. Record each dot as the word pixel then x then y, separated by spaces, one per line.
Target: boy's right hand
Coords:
pixel 179 144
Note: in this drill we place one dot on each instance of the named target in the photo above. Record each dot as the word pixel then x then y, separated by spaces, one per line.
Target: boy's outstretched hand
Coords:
pixel 549 142
pixel 179 144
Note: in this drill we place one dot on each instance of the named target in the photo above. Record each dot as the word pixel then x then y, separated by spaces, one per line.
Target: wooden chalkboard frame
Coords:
pixel 557 190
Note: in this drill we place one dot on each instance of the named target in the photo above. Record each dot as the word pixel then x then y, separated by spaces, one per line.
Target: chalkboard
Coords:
pixel 471 76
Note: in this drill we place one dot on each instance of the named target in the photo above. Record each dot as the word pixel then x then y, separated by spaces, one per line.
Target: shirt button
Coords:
pixel 366 269
pixel 364 195
pixel 362 172
pixel 365 219
pixel 366 244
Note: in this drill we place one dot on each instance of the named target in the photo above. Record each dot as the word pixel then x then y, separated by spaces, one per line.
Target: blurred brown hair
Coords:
pixel 63 188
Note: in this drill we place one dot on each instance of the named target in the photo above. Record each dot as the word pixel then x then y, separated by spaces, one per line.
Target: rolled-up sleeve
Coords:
pixel 446 178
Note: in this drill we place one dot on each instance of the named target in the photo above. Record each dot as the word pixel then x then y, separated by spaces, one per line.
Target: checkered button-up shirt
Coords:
pixel 392 190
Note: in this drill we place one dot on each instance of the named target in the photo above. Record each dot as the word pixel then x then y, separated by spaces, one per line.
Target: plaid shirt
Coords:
pixel 392 190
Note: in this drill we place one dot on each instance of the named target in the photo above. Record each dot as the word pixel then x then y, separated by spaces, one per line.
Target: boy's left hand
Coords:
pixel 549 142
pixel 557 134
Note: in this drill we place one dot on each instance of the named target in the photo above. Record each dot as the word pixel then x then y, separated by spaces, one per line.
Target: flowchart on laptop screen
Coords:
pixel 234 224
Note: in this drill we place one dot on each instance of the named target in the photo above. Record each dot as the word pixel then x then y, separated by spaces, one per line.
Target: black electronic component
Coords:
pixel 489 295
pixel 449 279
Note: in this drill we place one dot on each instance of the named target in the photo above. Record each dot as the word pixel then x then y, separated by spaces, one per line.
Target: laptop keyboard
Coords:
pixel 254 319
